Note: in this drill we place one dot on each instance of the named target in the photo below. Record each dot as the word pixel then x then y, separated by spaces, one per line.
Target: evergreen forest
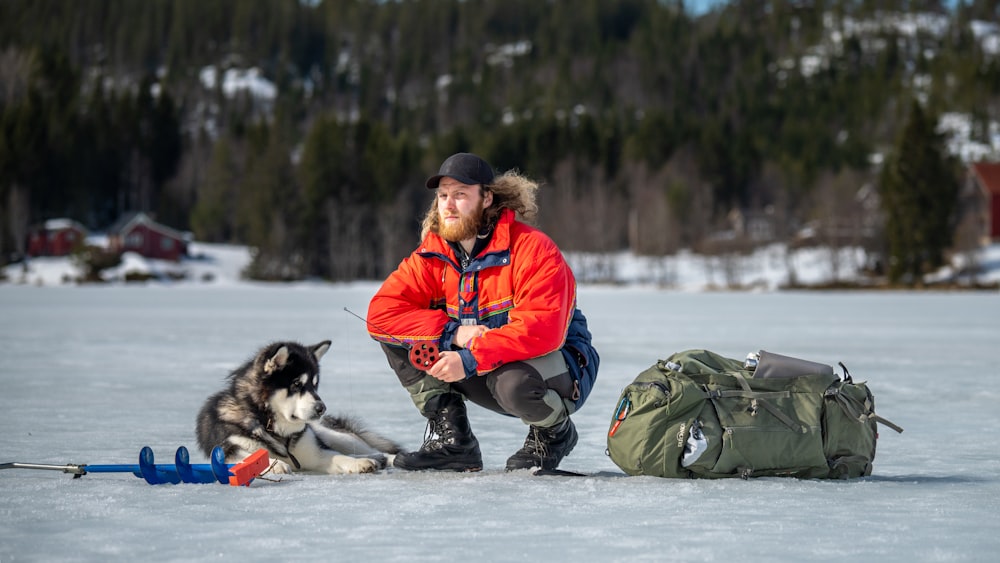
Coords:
pixel 650 128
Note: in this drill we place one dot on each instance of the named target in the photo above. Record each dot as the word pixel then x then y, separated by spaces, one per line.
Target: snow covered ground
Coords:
pixel 219 265
pixel 208 264
pixel 91 374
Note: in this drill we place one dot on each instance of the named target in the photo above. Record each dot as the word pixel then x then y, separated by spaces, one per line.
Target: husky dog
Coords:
pixel 271 403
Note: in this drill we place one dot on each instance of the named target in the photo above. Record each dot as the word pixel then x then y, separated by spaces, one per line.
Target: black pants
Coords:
pixel 539 391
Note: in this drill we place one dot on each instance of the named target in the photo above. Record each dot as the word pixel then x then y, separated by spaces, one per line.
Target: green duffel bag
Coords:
pixel 701 415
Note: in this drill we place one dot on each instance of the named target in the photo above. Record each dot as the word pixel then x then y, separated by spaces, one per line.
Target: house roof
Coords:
pixel 62 224
pixel 127 221
pixel 988 175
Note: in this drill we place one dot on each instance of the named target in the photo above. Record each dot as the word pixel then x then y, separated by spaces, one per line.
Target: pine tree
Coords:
pixel 267 212
pixel 212 218
pixel 919 188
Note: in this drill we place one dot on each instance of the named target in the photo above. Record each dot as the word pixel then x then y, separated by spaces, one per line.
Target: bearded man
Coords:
pixel 497 297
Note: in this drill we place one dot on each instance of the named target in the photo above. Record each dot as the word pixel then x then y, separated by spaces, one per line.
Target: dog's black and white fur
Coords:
pixel 271 402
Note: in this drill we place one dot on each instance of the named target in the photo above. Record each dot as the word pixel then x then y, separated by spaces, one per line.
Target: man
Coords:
pixel 498 298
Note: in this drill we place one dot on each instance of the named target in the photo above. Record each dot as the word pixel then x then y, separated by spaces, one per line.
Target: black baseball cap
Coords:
pixel 464 167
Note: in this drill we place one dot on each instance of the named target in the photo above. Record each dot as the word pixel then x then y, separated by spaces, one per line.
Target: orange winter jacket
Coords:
pixel 519 285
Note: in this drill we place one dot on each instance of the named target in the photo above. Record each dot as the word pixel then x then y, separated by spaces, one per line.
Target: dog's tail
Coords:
pixel 373 439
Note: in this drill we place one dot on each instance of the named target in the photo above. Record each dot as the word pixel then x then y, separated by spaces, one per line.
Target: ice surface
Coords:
pixel 92 374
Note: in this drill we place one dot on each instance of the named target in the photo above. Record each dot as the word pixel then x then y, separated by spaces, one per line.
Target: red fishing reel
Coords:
pixel 423 355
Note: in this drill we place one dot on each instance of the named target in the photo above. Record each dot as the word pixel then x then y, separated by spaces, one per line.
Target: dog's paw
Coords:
pixel 381 460
pixel 357 465
pixel 279 467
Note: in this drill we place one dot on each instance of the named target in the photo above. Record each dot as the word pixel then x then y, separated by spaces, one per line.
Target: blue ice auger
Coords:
pixel 181 471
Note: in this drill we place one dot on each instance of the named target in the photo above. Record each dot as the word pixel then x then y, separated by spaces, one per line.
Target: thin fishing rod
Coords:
pixel 373 325
pixel 422 355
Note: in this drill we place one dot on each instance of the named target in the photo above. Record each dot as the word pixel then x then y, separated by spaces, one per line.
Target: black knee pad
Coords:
pixel 519 390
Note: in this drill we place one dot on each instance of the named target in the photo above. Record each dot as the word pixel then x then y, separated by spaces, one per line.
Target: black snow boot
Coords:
pixel 544 447
pixel 449 443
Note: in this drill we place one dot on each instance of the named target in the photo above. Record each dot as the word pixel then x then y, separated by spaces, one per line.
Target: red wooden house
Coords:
pixel 56 237
pixel 987 176
pixel 137 232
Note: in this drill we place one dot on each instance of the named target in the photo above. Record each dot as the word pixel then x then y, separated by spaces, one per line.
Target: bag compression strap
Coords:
pixel 897 428
pixel 846 404
pixel 757 398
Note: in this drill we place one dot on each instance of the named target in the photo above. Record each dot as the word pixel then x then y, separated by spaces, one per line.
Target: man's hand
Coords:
pixel 465 333
pixel 448 368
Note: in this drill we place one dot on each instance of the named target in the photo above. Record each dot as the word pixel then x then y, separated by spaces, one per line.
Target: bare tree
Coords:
pixel 691 198
pixel 839 216
pixel 653 227
pixel 395 242
pixel 17 218
pixel 585 212
pixel 348 257
pixel 967 245
pixel 15 74
pixel 972 226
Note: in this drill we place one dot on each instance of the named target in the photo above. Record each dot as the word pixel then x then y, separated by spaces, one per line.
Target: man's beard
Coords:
pixel 467 227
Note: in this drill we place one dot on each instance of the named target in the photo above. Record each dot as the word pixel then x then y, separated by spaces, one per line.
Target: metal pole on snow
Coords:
pixel 182 470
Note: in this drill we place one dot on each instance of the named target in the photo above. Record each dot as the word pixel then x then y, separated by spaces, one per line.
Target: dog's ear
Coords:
pixel 277 361
pixel 319 349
